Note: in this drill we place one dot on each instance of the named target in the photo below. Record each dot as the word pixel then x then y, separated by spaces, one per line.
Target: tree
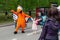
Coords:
pixel 26 4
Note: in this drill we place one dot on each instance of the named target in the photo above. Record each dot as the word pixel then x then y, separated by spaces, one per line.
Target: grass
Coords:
pixel 5 19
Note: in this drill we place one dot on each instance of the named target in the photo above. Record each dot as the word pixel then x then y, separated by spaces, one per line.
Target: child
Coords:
pixel 35 24
pixel 14 17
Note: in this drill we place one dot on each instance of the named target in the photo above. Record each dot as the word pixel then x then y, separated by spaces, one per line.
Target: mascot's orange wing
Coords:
pixel 26 15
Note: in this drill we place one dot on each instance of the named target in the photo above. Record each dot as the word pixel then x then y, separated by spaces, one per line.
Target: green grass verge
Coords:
pixel 5 19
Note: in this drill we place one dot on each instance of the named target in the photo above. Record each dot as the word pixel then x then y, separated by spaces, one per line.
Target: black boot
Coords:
pixel 15 32
pixel 23 32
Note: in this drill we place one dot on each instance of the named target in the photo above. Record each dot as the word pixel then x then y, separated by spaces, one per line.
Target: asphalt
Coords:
pixel 6 33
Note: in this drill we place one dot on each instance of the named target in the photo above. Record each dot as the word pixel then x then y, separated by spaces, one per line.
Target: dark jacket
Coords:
pixel 50 30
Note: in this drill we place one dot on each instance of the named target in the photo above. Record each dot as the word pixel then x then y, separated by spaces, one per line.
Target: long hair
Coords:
pixel 53 12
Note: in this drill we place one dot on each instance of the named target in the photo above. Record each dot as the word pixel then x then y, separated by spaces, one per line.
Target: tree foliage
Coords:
pixel 26 4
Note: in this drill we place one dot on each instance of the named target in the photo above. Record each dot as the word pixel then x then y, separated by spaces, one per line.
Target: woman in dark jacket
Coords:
pixel 51 26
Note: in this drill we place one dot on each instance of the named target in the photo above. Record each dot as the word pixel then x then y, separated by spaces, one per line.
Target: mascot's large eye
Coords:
pixel 20 11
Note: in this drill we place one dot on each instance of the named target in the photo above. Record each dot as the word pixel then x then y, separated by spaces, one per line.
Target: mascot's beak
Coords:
pixel 19 11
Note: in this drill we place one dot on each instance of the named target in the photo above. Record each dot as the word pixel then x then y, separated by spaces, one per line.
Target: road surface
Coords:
pixel 6 33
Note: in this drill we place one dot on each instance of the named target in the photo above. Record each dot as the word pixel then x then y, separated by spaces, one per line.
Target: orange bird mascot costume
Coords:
pixel 21 22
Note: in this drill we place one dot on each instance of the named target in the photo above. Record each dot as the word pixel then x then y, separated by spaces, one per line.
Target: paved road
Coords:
pixel 6 33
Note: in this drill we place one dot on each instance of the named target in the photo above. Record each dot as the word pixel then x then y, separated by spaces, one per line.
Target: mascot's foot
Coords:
pixel 15 32
pixel 23 32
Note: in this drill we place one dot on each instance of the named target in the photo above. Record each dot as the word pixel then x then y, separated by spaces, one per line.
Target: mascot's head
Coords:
pixel 19 9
